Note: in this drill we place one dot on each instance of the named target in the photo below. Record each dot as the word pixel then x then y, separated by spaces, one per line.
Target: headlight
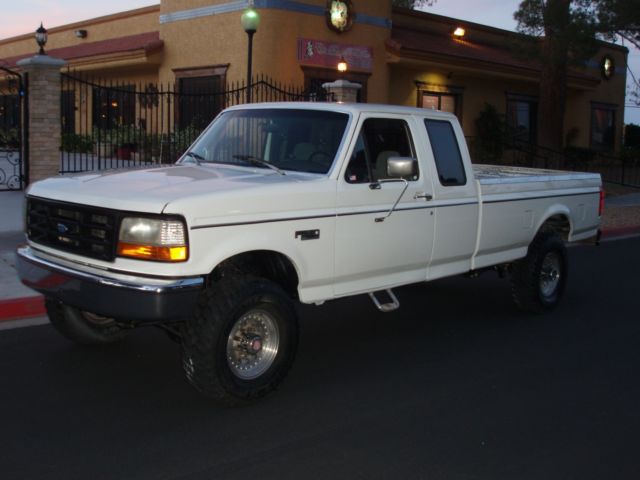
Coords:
pixel 153 239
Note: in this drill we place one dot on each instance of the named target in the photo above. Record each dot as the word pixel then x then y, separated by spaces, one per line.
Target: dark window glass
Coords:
pixel 68 111
pixel 200 100
pixel 446 153
pixel 603 127
pixel 379 139
pixel 114 106
pixel 521 121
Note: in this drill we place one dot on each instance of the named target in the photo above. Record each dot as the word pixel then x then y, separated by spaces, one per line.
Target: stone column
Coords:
pixel 44 115
pixel 343 90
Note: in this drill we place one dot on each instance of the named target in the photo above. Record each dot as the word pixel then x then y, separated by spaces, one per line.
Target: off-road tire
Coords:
pixel 82 327
pixel 206 337
pixel 538 280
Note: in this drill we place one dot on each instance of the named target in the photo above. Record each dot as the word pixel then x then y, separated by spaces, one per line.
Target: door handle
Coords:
pixel 426 196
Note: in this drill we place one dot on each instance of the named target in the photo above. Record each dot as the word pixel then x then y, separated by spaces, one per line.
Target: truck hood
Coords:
pixel 151 190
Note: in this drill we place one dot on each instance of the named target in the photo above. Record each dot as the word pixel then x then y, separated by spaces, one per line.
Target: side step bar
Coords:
pixel 394 304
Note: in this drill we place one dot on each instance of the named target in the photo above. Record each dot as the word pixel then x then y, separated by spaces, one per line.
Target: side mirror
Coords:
pixel 402 167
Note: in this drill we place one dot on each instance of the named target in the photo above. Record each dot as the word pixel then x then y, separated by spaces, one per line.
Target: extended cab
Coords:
pixel 277 203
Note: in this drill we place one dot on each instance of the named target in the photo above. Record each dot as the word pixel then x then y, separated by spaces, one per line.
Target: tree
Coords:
pixel 567 32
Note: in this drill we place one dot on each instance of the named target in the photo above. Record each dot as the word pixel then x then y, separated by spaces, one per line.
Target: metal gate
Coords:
pixel 12 145
pixel 116 124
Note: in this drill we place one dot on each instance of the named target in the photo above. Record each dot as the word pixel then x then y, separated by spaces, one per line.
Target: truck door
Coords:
pixel 375 250
pixel 455 199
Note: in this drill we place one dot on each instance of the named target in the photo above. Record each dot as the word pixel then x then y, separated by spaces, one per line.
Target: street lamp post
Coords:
pixel 41 38
pixel 250 20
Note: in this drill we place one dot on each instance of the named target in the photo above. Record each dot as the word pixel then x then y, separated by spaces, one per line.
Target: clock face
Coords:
pixel 608 67
pixel 339 15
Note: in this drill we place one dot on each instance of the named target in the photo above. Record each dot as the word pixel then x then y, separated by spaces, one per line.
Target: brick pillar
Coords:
pixel 44 115
pixel 343 90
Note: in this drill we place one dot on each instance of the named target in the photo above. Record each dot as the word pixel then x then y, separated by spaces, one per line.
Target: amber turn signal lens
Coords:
pixel 150 252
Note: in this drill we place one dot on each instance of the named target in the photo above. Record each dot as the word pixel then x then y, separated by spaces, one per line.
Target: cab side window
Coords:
pixel 446 153
pixel 379 139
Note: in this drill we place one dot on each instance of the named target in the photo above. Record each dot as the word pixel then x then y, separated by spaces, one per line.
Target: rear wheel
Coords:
pixel 82 327
pixel 539 279
pixel 241 341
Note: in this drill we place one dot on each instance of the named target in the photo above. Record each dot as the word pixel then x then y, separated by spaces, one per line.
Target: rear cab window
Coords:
pixel 446 153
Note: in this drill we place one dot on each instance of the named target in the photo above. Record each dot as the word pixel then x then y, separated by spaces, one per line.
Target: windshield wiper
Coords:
pixel 198 158
pixel 259 161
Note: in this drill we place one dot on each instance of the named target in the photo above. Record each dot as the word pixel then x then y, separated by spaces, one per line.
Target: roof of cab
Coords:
pixel 352 108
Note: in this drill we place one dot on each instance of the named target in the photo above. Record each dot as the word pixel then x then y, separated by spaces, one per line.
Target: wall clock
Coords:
pixel 339 15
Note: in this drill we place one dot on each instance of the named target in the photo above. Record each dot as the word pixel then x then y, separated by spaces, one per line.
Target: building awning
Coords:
pixel 141 48
pixel 412 46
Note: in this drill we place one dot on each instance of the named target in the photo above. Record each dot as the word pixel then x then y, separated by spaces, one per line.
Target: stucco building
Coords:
pixel 399 56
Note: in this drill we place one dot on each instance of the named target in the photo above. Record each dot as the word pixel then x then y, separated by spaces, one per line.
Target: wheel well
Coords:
pixel 559 224
pixel 263 263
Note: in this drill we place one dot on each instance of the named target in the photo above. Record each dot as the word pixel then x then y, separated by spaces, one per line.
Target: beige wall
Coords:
pixel 219 39
pixel 112 26
pixel 480 87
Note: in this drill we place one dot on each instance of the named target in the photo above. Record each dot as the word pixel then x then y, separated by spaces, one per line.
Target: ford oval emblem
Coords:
pixel 62 228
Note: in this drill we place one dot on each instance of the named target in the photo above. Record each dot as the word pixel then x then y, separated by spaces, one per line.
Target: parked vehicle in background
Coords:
pixel 282 203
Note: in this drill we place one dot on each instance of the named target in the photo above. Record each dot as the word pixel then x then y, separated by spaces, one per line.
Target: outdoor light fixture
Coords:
pixel 459 32
pixel 41 38
pixel 80 33
pixel 250 20
pixel 342 65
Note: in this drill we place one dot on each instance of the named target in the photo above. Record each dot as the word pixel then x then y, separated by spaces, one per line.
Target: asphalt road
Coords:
pixel 455 385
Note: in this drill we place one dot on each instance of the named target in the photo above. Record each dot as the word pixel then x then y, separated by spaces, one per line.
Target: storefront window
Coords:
pixel 200 100
pixel 522 117
pixel 200 95
pixel 440 101
pixel 603 127
pixel 114 106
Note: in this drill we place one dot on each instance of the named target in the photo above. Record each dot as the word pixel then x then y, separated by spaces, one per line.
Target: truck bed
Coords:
pixel 496 179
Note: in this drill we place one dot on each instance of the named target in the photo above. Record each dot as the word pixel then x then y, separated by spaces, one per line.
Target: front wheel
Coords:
pixel 82 327
pixel 241 341
pixel 539 279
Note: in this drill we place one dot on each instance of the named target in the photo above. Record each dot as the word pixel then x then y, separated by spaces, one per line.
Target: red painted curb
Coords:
pixel 17 308
pixel 621 231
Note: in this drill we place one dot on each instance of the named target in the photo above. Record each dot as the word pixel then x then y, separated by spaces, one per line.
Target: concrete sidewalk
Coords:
pixel 18 301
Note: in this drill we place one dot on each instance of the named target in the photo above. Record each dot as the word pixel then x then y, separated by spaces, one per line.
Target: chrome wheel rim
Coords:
pixel 550 274
pixel 253 344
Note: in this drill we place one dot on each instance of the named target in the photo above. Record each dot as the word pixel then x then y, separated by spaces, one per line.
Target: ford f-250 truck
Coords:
pixel 287 202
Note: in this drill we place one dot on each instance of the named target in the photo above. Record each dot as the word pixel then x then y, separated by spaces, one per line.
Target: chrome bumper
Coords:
pixel 140 300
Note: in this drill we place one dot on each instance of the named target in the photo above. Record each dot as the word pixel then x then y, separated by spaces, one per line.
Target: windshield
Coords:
pixel 288 139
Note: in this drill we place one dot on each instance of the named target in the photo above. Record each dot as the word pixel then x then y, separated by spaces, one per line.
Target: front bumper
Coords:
pixel 138 300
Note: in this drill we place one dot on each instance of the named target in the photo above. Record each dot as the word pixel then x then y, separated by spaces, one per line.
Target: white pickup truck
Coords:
pixel 278 203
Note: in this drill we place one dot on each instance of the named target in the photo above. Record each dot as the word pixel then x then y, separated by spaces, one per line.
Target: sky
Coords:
pixel 24 16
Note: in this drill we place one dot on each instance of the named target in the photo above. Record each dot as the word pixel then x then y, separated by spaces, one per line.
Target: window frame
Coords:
pixel 367 149
pixel 532 103
pixel 436 156
pixel 456 92
pixel 613 110
pixel 180 74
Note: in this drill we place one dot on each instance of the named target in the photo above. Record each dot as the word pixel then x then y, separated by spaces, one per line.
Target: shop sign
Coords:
pixel 326 54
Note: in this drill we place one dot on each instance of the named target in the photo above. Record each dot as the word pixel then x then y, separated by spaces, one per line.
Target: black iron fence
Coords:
pixel 12 99
pixel 107 124
pixel 623 169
